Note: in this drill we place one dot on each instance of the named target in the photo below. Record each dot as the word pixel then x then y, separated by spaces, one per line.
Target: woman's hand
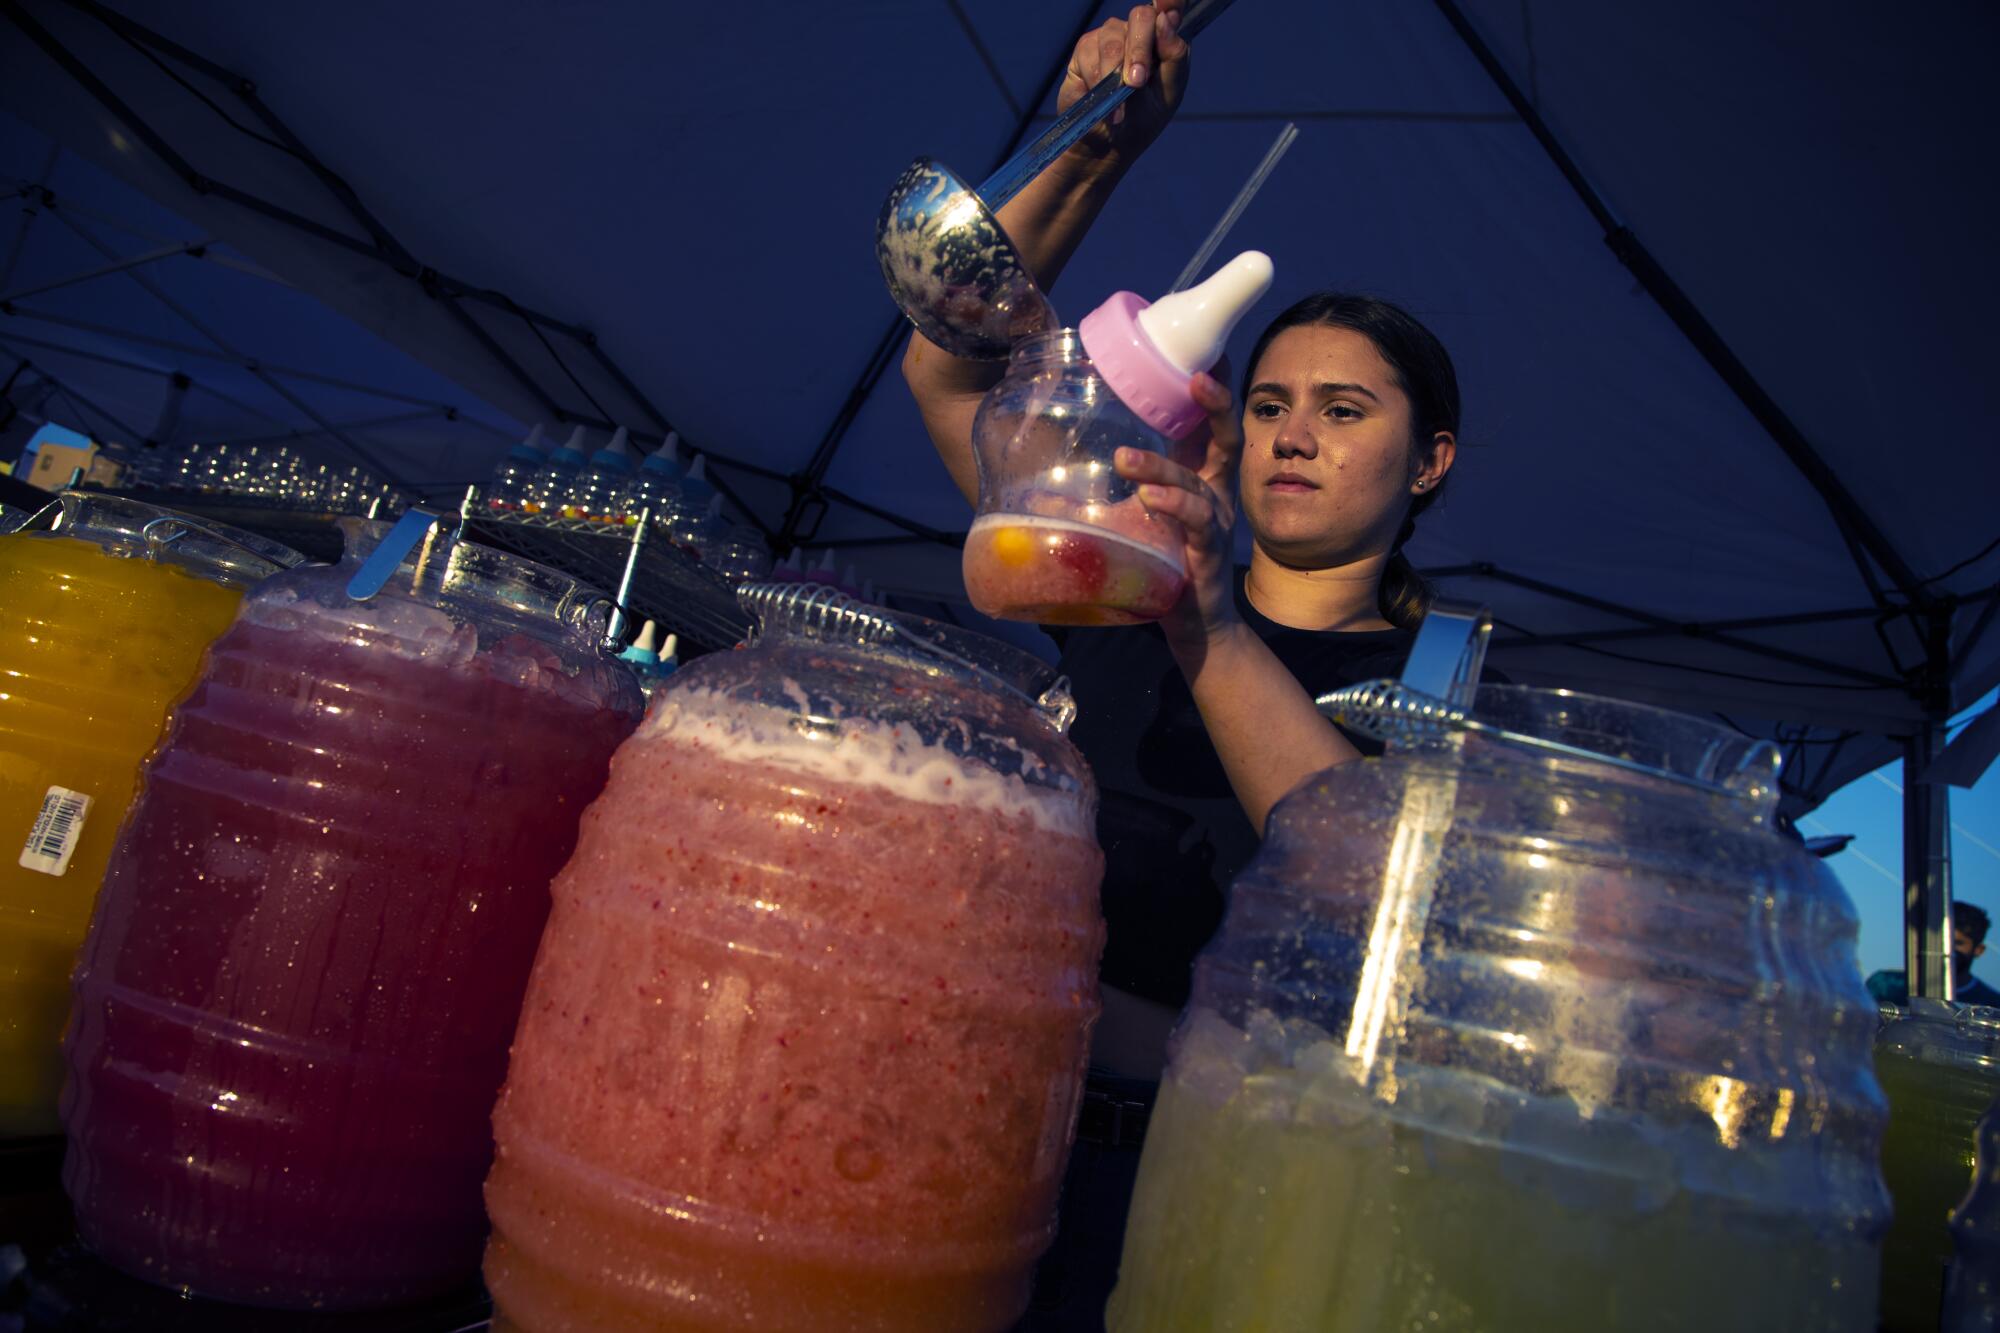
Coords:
pixel 1147 48
pixel 1203 501
pixel 1048 218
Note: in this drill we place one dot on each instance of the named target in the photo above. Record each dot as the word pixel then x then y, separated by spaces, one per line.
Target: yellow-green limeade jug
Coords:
pixel 1533 1025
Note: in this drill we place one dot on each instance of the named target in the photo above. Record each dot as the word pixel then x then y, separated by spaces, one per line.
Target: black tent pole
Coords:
pixel 1926 867
pixel 1927 823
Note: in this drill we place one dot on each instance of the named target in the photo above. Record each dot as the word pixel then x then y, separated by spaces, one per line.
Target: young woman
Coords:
pixel 1197 726
pixel 1346 434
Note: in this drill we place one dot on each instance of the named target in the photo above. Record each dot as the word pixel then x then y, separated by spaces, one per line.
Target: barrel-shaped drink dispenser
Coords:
pixel 806 1037
pixel 109 605
pixel 293 1007
pixel 1534 1024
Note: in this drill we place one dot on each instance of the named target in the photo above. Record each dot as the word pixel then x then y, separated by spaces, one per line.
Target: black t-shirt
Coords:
pixel 1172 831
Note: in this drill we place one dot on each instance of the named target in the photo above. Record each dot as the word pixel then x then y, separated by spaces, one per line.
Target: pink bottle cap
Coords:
pixel 1147 353
pixel 1153 387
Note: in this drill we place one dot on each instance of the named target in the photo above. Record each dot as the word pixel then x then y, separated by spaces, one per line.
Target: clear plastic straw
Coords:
pixel 1243 198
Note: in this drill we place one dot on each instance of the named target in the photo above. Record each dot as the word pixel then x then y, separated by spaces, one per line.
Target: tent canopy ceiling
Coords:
pixel 1762 415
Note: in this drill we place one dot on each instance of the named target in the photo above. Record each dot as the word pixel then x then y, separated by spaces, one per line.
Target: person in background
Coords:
pixel 1968 941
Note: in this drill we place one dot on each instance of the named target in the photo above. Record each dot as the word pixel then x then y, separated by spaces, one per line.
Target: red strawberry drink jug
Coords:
pixel 1060 537
pixel 292 1009
pixel 806 1036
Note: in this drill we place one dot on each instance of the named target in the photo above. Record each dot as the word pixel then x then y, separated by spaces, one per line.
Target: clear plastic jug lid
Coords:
pixel 1963 1035
pixel 1440 697
pixel 442 569
pixel 130 529
pixel 818 611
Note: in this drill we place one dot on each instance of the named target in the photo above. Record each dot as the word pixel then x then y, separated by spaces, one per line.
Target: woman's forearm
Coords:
pixel 1263 723
pixel 1052 214
pixel 1047 220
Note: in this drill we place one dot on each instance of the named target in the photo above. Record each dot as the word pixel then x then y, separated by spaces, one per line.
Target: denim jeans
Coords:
pixel 1075 1277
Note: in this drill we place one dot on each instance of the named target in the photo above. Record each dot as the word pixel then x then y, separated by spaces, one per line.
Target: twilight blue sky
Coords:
pixel 1871 808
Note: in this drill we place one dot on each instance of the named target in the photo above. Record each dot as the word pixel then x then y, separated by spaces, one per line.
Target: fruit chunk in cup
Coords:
pixel 1061 572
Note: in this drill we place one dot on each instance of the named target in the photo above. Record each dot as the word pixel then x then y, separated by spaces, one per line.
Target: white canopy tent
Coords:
pixel 1717 279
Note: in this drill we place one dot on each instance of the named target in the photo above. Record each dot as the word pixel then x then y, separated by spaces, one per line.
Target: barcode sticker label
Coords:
pixel 56 831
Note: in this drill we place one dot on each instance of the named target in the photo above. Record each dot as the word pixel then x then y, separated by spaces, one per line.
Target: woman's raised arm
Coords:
pixel 1048 219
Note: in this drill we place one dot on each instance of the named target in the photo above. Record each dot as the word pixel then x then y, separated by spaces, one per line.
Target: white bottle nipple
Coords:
pixel 575 441
pixel 620 446
pixel 1190 328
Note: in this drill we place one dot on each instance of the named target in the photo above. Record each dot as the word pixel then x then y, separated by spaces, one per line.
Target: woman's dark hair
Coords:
pixel 1425 375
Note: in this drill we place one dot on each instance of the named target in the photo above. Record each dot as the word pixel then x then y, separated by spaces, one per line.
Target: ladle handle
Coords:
pixel 1080 119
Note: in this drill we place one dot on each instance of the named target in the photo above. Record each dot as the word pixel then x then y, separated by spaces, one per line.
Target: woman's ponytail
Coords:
pixel 1404 596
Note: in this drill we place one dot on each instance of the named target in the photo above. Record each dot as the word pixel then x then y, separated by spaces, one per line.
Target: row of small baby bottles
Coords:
pixel 610 485
pixel 613 486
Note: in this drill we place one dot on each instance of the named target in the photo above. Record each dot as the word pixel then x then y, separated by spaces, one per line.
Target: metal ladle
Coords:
pixel 947 261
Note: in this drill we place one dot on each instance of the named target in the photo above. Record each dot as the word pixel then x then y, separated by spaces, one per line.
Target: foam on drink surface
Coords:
pixel 862 751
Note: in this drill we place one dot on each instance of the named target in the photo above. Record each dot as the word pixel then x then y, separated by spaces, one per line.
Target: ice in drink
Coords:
pixel 1274 1196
